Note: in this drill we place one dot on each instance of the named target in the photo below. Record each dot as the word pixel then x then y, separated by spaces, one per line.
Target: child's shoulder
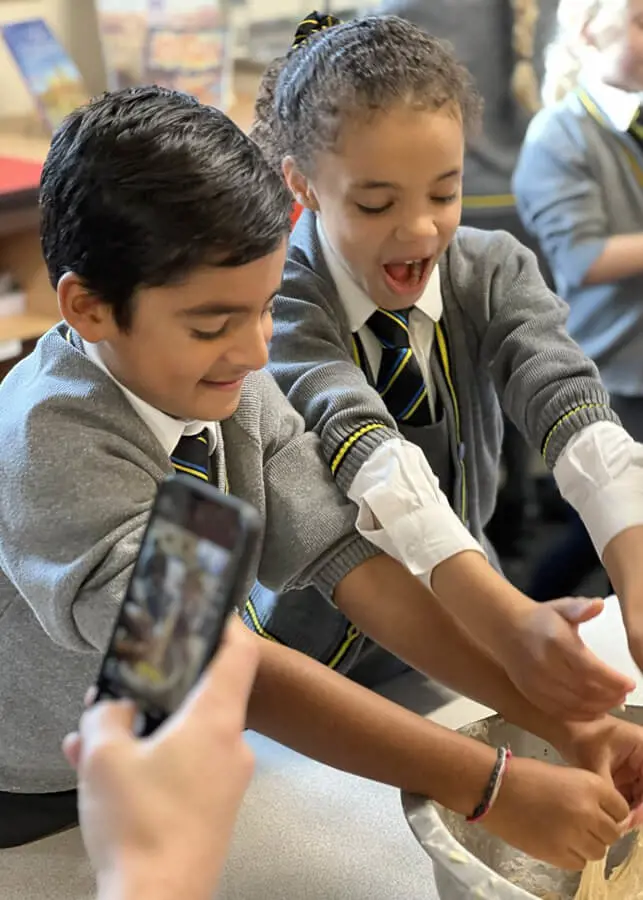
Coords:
pixel 560 123
pixel 481 264
pixel 57 393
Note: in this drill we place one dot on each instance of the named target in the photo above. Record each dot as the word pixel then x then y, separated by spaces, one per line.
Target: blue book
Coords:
pixel 51 76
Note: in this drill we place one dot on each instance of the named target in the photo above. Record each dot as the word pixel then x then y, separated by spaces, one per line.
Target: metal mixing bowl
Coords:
pixel 468 862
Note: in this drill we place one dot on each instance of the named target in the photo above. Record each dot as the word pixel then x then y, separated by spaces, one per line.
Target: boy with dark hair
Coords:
pixel 164 232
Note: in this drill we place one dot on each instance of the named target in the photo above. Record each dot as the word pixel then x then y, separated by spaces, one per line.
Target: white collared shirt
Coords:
pixel 359 308
pixel 167 430
pixel 620 107
pixel 402 509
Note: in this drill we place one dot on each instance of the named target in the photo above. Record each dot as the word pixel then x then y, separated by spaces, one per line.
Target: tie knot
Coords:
pixel 391 328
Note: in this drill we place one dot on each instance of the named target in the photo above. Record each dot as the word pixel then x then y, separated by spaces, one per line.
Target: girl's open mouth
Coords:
pixel 407 277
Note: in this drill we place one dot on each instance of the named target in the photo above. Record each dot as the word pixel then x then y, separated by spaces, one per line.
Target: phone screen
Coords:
pixel 176 604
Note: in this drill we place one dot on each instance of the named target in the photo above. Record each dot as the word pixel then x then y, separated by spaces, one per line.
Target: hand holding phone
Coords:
pixel 186 582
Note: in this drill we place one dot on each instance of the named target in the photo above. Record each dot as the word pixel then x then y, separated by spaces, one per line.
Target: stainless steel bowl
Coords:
pixel 468 862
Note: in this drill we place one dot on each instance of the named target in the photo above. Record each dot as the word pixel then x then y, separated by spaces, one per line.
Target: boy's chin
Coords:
pixel 216 408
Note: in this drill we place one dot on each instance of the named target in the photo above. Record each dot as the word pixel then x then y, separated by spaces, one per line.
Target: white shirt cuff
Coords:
pixel 403 511
pixel 600 474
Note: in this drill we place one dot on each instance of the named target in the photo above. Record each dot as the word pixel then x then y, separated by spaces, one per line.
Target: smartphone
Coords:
pixel 187 579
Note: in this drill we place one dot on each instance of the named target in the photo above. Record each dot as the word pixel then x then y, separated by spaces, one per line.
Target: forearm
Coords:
pixel 323 715
pixel 624 564
pixel 621 258
pixel 396 611
pixel 485 604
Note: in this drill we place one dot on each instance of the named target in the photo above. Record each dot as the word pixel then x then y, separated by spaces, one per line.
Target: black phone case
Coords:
pixel 249 531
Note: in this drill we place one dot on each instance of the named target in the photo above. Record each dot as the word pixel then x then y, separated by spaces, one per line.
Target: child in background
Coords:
pixel 501 43
pixel 399 336
pixel 166 291
pixel 579 187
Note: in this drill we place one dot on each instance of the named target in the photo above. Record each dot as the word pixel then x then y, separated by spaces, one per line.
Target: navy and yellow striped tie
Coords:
pixel 399 382
pixel 192 455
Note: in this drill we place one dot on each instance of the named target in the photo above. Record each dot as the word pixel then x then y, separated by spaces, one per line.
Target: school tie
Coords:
pixel 636 128
pixel 399 382
pixel 192 455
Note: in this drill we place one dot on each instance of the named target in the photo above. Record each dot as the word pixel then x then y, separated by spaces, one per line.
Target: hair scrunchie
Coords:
pixel 313 24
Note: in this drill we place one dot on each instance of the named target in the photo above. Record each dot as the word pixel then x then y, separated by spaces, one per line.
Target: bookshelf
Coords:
pixel 20 160
pixel 19 238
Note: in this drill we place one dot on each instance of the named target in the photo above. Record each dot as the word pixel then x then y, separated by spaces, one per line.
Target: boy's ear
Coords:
pixel 81 309
pixel 300 187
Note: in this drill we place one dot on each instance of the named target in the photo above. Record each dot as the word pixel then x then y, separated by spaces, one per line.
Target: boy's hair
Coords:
pixel 143 185
pixel 563 58
pixel 363 66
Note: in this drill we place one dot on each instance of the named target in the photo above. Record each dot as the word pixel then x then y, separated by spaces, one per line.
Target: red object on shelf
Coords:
pixel 18 174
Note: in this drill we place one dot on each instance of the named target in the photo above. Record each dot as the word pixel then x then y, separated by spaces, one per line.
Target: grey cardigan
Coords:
pixel 580 181
pixel 507 344
pixel 78 474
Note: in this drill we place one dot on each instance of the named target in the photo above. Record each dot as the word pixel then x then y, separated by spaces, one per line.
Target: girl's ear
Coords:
pixel 299 185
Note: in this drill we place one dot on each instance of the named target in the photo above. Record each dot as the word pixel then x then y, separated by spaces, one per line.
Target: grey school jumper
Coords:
pixel 78 473
pixel 580 181
pixel 507 345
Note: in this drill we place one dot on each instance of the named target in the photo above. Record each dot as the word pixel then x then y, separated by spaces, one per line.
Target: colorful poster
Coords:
pixel 52 77
pixel 184 44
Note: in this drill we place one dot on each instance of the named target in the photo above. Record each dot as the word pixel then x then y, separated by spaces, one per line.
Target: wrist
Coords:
pixel 150 879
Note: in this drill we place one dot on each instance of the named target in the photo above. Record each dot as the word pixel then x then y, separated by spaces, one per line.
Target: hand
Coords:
pixel 157 814
pixel 613 749
pixel 562 816
pixel 550 665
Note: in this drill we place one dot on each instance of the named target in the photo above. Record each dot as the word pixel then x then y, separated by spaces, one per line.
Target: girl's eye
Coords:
pixel 451 198
pixel 206 335
pixel 373 210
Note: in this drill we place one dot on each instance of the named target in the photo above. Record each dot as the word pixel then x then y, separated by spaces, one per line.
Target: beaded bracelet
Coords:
pixel 493 788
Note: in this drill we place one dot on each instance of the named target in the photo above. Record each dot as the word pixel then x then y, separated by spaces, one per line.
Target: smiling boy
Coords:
pixel 164 232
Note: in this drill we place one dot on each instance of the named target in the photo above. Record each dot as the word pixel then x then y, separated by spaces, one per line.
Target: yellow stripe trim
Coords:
pixel 446 366
pixel 488 201
pixel 598 116
pixel 396 374
pixel 352 634
pixel 356 358
pixel 203 440
pixel 572 412
pixel 188 471
pixel 261 631
pixel 420 399
pixel 350 442
pixel 394 319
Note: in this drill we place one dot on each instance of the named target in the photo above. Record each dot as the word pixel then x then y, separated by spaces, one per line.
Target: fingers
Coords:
pixel 72 746
pixel 599 683
pixel 615 806
pixel 106 721
pixel 577 610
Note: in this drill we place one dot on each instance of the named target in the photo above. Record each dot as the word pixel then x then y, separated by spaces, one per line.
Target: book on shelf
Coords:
pixel 51 76
pixel 180 44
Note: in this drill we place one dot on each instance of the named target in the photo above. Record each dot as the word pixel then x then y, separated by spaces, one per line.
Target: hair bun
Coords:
pixel 313 24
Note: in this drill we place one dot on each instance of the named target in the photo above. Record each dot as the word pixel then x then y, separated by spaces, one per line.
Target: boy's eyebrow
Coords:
pixel 370 185
pixel 222 308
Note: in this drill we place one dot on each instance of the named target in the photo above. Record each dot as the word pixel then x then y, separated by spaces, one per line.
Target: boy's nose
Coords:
pixel 251 352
